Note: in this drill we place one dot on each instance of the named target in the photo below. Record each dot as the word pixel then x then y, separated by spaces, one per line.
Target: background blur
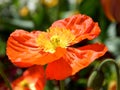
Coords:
pixel 40 14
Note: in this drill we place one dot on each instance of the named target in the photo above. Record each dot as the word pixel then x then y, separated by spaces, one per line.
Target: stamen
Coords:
pixel 24 84
pixel 53 38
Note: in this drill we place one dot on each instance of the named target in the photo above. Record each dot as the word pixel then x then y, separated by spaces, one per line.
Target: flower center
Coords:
pixel 53 38
pixel 26 86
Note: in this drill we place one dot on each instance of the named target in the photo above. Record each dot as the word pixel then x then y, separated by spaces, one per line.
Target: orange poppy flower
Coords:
pixel 32 79
pixel 55 47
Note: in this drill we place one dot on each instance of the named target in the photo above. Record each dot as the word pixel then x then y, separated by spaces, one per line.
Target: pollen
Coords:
pixel 25 85
pixel 55 37
pixel 44 42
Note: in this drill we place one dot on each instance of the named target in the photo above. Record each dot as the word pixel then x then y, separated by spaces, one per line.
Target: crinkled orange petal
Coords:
pixel 50 57
pixel 74 60
pixel 82 26
pixel 35 76
pixel 23 50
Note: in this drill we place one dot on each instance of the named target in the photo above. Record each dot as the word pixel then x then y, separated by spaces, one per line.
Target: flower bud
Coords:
pixel 95 80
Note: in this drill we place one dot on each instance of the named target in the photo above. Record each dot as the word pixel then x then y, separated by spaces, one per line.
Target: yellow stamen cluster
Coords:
pixel 25 85
pixel 53 38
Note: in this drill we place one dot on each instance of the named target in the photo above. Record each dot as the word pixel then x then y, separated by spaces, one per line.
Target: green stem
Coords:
pixel 116 67
pixel 62 85
pixel 5 77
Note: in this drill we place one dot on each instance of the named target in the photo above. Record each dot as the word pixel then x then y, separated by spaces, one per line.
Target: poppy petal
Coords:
pixel 32 79
pixel 23 50
pixel 59 70
pixel 21 46
pixel 74 60
pixel 82 26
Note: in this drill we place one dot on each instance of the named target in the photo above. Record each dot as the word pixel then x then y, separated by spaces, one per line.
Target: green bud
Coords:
pixel 95 80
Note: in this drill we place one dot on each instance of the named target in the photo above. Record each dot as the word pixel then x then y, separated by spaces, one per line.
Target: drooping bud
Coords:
pixel 95 80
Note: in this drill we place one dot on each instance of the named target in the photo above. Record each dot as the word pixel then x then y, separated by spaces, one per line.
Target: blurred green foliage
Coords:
pixel 40 14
